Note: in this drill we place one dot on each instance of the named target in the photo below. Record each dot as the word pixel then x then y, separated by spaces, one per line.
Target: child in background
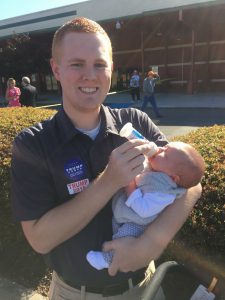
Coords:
pixel 169 172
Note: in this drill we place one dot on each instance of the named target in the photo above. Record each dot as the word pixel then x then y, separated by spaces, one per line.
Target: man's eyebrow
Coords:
pixel 104 62
pixel 100 60
pixel 76 59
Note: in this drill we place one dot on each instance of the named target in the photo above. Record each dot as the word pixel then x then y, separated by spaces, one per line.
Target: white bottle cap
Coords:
pixel 130 132
pixel 126 130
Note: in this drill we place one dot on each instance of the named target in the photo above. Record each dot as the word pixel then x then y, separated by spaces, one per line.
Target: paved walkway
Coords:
pixel 181 114
pixel 164 100
pixel 167 100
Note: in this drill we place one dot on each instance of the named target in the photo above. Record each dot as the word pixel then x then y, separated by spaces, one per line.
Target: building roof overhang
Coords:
pixel 98 10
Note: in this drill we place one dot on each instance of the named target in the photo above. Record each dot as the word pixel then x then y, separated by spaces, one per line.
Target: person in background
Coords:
pixel 168 173
pixel 12 93
pixel 28 93
pixel 149 92
pixel 65 171
pixel 135 85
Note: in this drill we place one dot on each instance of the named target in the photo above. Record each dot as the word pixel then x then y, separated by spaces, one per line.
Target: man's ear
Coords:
pixel 55 68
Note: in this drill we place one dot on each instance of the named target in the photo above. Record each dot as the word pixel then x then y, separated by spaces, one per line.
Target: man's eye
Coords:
pixel 100 65
pixel 77 65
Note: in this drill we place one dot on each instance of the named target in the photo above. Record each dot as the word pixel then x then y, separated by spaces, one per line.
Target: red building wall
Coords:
pixel 164 41
pixel 187 46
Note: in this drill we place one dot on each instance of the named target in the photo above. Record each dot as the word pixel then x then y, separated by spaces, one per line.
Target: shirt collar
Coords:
pixel 67 130
pixel 108 124
pixel 65 127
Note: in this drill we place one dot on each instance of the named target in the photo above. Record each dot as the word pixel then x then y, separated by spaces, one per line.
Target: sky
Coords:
pixel 14 8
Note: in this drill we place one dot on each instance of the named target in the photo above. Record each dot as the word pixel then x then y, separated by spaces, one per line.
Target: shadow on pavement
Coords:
pixel 180 121
pixel 190 116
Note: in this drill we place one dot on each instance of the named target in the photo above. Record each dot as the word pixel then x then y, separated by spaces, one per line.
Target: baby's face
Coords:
pixel 164 160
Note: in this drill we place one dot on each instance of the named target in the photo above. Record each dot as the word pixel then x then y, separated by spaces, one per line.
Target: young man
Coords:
pixel 74 163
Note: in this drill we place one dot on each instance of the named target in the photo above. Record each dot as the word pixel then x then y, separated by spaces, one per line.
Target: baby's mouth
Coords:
pixel 88 90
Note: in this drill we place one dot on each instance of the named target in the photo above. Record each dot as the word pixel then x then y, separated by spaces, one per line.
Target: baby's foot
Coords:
pixel 96 260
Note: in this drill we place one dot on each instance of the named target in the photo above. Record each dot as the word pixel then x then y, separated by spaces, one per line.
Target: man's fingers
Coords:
pixel 113 269
pixel 136 150
pixel 107 246
pixel 131 150
pixel 131 144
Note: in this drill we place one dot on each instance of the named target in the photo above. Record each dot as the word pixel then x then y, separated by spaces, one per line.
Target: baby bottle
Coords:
pixel 131 133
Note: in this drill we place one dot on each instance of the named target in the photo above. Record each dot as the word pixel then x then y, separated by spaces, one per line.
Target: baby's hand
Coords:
pixel 130 188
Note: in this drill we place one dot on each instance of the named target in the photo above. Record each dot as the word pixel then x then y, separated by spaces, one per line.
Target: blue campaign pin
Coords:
pixel 75 169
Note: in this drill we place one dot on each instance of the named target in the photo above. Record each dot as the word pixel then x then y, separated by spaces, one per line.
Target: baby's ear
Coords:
pixel 175 178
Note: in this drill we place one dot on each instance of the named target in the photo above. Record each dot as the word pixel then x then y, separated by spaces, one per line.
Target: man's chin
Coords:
pixel 89 108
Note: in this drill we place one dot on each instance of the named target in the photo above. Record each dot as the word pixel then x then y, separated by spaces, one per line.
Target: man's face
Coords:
pixel 84 68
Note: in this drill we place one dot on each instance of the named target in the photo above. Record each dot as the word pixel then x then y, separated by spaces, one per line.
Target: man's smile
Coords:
pixel 88 90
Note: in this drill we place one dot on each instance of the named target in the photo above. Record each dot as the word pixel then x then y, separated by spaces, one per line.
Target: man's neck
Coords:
pixel 85 120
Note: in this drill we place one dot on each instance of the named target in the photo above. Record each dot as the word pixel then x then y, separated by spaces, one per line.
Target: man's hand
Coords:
pixel 126 162
pixel 128 255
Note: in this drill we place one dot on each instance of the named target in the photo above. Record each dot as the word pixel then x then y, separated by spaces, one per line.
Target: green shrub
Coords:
pixel 205 228
pixel 200 244
pixel 27 266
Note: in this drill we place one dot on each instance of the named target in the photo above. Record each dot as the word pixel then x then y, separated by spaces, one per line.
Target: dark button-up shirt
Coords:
pixel 52 162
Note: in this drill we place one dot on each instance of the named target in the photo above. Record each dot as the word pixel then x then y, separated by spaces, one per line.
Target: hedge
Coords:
pixel 206 223
pixel 204 229
pixel 18 261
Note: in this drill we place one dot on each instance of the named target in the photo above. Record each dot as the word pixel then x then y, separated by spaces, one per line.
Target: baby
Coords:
pixel 169 172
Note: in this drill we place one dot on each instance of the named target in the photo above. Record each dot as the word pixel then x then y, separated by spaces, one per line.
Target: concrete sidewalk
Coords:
pixel 167 100
pixel 164 100
pixel 13 291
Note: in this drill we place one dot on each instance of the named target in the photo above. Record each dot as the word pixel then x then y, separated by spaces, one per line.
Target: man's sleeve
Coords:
pixel 151 132
pixel 145 86
pixel 32 191
pixel 22 97
pixel 131 82
pixel 36 94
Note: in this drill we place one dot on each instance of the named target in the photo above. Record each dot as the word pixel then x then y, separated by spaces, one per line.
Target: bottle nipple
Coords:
pixel 154 149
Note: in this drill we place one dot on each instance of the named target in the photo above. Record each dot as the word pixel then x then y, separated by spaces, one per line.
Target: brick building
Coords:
pixel 184 40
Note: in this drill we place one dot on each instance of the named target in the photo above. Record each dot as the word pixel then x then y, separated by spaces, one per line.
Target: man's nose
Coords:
pixel 89 73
